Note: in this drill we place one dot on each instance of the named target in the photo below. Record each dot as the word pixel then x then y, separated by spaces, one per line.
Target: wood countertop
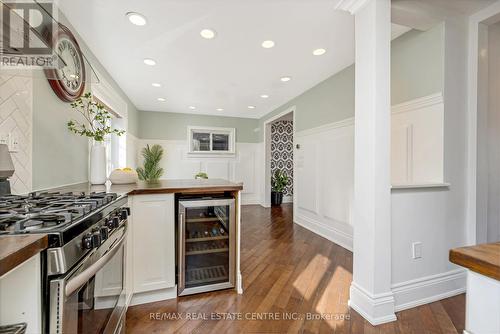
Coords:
pixel 15 249
pixel 483 259
pixel 190 186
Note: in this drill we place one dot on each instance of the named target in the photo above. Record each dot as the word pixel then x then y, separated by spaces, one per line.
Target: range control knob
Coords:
pixel 87 241
pixel 124 213
pixel 104 230
pixel 108 223
pixel 96 239
pixel 116 221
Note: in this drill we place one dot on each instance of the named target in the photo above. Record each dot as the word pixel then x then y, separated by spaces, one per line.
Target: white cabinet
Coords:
pixel 153 242
pixel 20 295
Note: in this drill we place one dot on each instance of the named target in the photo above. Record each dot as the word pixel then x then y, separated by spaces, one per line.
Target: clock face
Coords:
pixel 68 80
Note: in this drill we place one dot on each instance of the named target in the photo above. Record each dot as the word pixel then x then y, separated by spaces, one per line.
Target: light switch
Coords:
pixel 417 250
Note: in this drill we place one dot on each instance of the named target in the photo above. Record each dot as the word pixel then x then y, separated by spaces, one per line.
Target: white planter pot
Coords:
pixel 98 164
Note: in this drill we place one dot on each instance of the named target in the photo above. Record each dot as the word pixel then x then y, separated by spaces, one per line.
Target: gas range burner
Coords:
pixel 46 211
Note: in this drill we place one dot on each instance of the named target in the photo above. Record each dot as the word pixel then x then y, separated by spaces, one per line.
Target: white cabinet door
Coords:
pixel 153 229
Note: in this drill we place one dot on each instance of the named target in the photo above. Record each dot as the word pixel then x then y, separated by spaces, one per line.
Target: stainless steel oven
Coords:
pixel 90 298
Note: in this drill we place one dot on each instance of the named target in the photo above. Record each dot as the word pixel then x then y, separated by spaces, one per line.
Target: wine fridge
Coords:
pixel 206 244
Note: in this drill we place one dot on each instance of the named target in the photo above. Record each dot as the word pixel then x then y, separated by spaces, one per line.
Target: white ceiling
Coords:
pixel 230 71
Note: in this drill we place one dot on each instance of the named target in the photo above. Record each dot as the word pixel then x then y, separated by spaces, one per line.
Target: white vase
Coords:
pixel 98 163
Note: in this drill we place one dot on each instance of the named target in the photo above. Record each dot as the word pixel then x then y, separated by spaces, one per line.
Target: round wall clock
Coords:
pixel 68 80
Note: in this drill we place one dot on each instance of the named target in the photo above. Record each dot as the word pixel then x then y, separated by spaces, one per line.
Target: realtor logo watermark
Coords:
pixel 27 32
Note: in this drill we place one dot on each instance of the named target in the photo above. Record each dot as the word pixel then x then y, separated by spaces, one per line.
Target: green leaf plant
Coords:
pixel 151 171
pixel 279 181
pixel 95 122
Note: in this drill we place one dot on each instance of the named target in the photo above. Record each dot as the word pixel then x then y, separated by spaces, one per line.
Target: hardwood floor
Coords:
pixel 291 272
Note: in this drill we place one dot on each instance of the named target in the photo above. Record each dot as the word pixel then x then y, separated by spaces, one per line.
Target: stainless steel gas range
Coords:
pixel 83 288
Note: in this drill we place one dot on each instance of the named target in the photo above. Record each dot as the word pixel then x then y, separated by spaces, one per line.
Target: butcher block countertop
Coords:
pixel 483 259
pixel 190 186
pixel 15 249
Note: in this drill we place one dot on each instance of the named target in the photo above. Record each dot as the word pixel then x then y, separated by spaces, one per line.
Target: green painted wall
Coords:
pixel 60 157
pixel 417 70
pixel 417 64
pixel 330 101
pixel 173 126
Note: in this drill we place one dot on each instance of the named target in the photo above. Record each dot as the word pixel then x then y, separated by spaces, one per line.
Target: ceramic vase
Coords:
pixel 98 163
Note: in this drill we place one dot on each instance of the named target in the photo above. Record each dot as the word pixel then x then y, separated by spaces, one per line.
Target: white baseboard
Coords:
pixel 153 296
pixel 376 309
pixel 429 289
pixel 250 199
pixel 334 235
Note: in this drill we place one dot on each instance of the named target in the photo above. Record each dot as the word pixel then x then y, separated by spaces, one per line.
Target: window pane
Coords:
pixel 220 142
pixel 201 141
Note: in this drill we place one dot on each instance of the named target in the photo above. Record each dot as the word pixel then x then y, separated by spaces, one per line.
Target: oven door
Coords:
pixel 91 298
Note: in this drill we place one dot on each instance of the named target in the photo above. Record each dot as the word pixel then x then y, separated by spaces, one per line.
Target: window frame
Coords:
pixel 231 132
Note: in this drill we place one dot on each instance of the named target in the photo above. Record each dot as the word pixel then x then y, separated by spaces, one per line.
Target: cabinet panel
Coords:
pixel 153 229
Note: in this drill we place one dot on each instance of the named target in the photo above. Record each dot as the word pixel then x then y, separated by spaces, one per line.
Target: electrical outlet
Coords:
pixel 4 138
pixel 417 250
pixel 13 143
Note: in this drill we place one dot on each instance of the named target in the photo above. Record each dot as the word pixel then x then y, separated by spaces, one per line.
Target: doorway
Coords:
pixel 279 134
pixel 488 128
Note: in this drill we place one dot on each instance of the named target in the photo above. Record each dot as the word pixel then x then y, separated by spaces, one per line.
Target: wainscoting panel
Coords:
pixel 418 141
pixel 325 181
pixel 245 166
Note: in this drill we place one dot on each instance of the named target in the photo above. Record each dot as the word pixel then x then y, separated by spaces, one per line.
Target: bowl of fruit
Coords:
pixel 123 176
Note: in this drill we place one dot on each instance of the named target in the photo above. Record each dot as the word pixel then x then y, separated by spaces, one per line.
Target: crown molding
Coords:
pixel 351 6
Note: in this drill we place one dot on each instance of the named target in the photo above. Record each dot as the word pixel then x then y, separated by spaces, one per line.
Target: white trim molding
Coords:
pixel 335 235
pixel 419 103
pixel 376 309
pixel 326 127
pixel 351 6
pixel 475 21
pixel 429 289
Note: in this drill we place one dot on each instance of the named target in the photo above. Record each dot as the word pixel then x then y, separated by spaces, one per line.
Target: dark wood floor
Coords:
pixel 288 271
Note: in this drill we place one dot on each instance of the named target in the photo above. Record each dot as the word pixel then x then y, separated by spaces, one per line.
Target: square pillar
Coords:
pixel 370 293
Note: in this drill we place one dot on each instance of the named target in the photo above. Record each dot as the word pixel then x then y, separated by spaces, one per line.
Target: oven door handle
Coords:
pixel 76 282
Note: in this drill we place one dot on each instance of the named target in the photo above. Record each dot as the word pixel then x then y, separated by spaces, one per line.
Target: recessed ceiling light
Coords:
pixel 208 33
pixel 267 44
pixel 149 61
pixel 319 52
pixel 251 107
pixel 161 99
pixel 154 84
pixel 264 96
pixel 220 109
pixel 192 107
pixel 136 18
pixel 285 79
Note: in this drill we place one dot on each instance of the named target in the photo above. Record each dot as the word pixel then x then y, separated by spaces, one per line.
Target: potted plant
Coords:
pixel 151 172
pixel 278 183
pixel 95 125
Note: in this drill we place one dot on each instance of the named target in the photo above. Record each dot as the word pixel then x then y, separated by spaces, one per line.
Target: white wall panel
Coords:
pixel 325 180
pixel 245 166
pixel 418 141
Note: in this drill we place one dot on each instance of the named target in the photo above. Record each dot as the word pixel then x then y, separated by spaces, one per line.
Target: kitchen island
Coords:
pixel 483 286
pixel 151 248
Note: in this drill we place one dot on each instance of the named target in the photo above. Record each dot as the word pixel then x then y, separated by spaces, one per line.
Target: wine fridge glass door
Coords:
pixel 207 245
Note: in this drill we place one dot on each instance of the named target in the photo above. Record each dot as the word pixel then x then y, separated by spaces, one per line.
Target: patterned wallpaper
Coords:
pixel 16 110
pixel 282 151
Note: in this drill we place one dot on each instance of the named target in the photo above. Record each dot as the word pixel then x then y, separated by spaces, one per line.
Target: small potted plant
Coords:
pixel 278 183
pixel 94 124
pixel 151 172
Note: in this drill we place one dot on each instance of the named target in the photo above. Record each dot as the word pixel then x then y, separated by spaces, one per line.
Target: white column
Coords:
pixel 370 293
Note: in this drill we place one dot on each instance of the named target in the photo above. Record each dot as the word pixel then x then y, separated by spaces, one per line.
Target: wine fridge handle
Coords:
pixel 182 228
